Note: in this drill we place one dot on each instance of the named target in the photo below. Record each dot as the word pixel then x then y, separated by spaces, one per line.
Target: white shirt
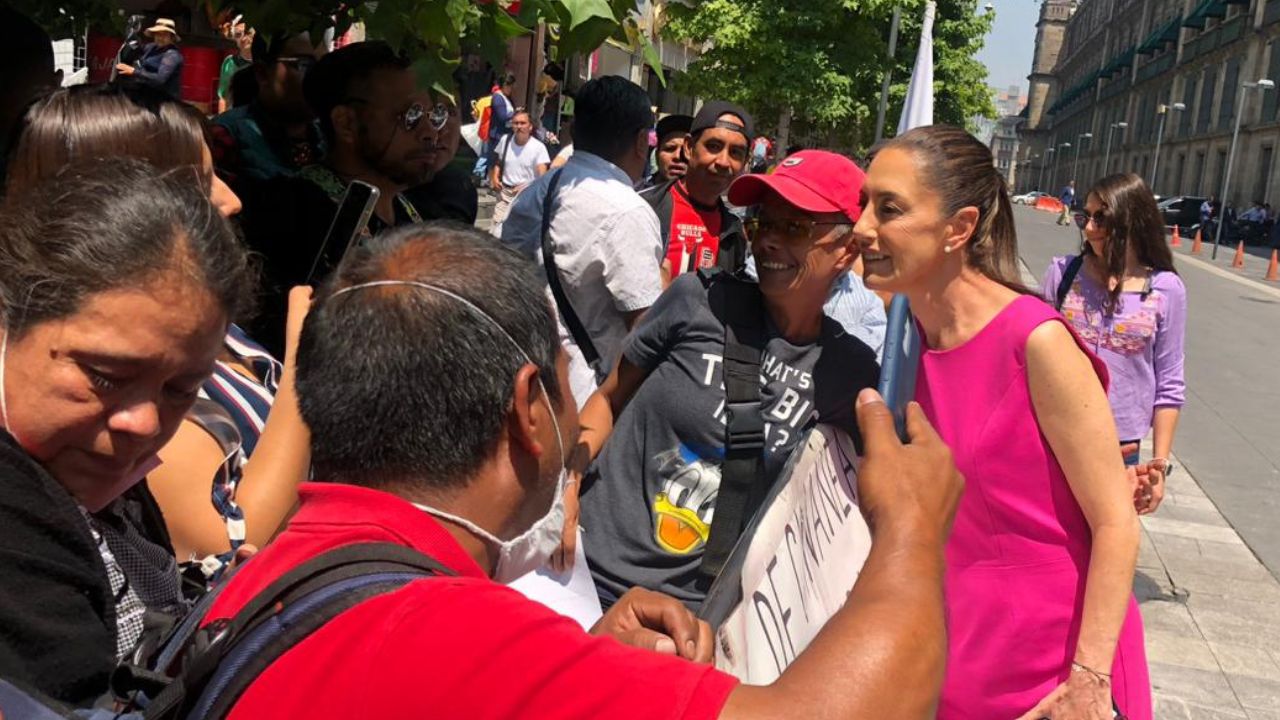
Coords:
pixel 520 162
pixel 608 249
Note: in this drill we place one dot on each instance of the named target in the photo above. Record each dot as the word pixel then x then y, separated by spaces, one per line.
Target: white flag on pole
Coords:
pixel 918 108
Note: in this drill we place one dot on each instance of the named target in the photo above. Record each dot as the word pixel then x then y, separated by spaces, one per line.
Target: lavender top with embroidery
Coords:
pixel 1142 344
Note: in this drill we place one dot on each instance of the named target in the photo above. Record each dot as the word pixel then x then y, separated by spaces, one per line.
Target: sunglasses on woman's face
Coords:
pixel 1082 219
pixel 792 230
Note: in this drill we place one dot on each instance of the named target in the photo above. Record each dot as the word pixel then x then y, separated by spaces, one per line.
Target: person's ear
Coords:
pixel 346 124
pixel 527 410
pixel 641 148
pixel 960 228
pixel 847 250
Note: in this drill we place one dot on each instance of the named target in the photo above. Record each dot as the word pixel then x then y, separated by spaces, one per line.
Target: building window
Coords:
pixel 1264 174
pixel 1208 79
pixel 1230 86
pixel 1197 174
pixel 1222 172
pixel 1273 71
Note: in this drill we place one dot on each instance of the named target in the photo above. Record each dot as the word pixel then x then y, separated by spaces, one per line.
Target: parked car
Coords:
pixel 1027 198
pixel 1182 210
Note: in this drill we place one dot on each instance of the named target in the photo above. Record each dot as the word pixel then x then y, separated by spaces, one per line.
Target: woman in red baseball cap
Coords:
pixel 1040 563
pixel 656 428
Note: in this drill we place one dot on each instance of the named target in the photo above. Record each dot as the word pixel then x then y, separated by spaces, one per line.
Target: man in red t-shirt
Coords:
pixel 695 223
pixel 433 383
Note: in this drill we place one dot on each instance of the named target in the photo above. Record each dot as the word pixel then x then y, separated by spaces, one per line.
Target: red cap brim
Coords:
pixel 750 190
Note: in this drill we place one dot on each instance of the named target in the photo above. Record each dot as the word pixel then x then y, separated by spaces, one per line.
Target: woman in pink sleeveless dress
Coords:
pixel 1041 617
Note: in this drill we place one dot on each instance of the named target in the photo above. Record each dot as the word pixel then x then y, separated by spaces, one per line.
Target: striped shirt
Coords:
pixel 233 408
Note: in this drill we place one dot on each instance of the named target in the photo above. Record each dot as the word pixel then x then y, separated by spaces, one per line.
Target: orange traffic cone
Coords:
pixel 1238 262
pixel 1195 245
pixel 1273 270
pixel 1176 241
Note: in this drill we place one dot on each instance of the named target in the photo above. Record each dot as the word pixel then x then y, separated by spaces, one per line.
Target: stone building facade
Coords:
pixel 1130 61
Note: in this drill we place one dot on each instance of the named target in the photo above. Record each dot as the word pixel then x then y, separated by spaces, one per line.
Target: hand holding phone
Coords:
pixel 901 362
pixel 350 221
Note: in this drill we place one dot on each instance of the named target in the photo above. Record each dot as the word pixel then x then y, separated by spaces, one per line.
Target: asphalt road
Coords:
pixel 1229 433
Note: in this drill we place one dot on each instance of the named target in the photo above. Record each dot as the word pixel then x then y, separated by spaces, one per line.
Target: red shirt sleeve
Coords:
pixel 469 648
pixel 503 656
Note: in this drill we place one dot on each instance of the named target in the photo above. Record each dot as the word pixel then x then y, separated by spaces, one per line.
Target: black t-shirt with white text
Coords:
pixel 649 498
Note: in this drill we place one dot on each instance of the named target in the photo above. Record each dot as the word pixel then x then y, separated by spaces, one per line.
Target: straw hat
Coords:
pixel 163 25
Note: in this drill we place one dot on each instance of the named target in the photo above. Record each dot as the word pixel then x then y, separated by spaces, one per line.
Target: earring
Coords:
pixel 948 249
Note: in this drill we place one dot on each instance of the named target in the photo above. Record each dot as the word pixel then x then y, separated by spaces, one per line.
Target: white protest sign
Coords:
pixel 800 564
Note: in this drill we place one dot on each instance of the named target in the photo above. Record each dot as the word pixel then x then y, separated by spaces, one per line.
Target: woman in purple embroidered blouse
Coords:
pixel 1129 306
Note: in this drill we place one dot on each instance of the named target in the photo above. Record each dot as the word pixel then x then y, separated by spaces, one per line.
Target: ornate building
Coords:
pixel 1133 74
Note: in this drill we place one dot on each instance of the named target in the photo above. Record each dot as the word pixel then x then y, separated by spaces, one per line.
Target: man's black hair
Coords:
pixel 26 47
pixel 608 112
pixel 335 78
pixel 400 384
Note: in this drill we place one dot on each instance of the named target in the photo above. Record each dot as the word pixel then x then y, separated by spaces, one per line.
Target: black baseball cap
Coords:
pixel 673 124
pixel 709 117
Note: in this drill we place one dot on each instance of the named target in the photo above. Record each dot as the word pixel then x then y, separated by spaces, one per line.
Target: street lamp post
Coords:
pixel 1029 159
pixel 888 72
pixel 1076 160
pixel 1163 112
pixel 1056 177
pixel 1044 160
pixel 1262 85
pixel 1106 158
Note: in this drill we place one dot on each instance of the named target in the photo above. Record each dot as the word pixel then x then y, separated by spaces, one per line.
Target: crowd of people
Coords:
pixel 204 398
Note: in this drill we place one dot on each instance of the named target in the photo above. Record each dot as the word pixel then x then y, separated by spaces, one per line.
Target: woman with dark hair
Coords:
pixel 1127 303
pixel 117 284
pixel 213 501
pixel 1040 610
pixel 92 121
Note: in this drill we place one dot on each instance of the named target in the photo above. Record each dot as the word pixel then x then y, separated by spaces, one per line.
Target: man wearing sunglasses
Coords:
pixel 276 134
pixel 381 129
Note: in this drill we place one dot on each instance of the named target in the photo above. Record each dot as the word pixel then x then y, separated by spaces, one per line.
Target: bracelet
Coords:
pixel 1077 667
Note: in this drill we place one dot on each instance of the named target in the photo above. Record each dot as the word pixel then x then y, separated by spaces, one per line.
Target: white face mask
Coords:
pixel 532 548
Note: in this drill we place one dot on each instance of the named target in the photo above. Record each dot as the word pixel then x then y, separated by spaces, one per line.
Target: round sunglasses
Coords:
pixel 1082 219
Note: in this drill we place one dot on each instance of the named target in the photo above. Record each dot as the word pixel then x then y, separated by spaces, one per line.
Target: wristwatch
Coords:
pixel 1165 465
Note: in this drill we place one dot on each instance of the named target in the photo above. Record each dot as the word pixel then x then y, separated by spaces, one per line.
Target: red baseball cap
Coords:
pixel 813 180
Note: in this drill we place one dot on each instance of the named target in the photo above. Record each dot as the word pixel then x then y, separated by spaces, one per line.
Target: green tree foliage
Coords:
pixel 823 60
pixel 433 32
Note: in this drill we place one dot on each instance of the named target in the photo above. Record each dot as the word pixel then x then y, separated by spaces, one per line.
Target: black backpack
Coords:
pixel 200 673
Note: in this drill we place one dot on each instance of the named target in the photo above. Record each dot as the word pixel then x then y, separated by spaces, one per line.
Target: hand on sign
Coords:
pixel 653 621
pixel 913 487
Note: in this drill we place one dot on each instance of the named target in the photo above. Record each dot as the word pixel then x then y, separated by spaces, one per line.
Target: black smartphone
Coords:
pixel 901 362
pixel 344 232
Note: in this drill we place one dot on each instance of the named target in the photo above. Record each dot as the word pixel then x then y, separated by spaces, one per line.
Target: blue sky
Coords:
pixel 1009 47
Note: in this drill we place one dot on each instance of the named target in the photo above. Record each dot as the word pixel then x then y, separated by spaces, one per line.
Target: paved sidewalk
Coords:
pixel 1211 610
pixel 1256 258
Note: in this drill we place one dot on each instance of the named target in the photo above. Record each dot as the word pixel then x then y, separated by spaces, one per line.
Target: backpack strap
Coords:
pixel 225 657
pixel 1068 277
pixel 739 305
pixel 571 320
pixel 659 198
